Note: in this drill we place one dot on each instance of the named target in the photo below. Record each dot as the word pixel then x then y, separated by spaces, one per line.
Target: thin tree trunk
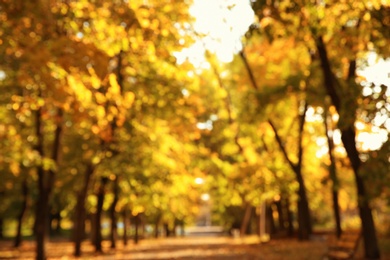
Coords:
pixel 167 230
pixel 1 227
pixel 289 214
pixel 58 217
pixel 304 217
pixel 157 225
pixel 113 232
pixel 136 227
pixel 18 237
pixel 99 211
pixel 281 216
pixel 80 213
pixel 270 221
pixel 41 210
pixel 125 223
pixel 246 220
pixel 348 135
pixel 333 176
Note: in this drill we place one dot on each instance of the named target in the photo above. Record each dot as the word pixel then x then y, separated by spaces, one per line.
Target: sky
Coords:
pixel 223 22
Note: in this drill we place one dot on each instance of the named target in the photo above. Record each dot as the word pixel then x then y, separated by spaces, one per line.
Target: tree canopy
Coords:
pixel 105 108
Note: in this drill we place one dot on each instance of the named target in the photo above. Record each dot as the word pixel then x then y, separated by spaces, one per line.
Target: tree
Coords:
pixel 321 27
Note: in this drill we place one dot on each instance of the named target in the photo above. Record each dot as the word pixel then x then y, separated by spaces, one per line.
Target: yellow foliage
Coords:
pixel 100 112
pixel 95 82
pixel 78 87
pixel 15 168
pixel 100 98
pixel 115 88
pixel 129 98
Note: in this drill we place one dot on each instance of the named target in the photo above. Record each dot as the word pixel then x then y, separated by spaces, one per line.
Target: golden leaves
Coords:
pixel 128 99
pixel 81 91
pixel 115 89
pixel 14 168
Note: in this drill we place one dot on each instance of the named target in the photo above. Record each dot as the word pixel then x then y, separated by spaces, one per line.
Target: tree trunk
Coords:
pixel 58 217
pixel 281 215
pixel 157 225
pixel 333 175
pixel 336 210
pixel 54 218
pixel 18 237
pixel 99 211
pixel 80 213
pixel 45 180
pixel 45 183
pixel 167 230
pixel 289 214
pixel 348 138
pixel 136 228
pixel 270 220
pixel 113 232
pixel 304 217
pixel 246 220
pixel 1 227
pixel 368 227
pixel 304 220
pixel 125 223
pixel 41 223
pixel 92 232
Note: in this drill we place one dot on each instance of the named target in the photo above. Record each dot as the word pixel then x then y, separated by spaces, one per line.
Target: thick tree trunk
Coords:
pixel 45 181
pixel 18 237
pixel 113 232
pixel 348 138
pixel 80 213
pixel 41 223
pixel 99 211
pixel 367 220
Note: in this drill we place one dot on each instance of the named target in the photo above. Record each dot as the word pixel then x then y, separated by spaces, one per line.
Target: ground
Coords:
pixel 218 248
pixel 179 248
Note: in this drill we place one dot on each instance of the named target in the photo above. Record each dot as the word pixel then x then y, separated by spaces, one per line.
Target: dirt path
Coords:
pixel 247 248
